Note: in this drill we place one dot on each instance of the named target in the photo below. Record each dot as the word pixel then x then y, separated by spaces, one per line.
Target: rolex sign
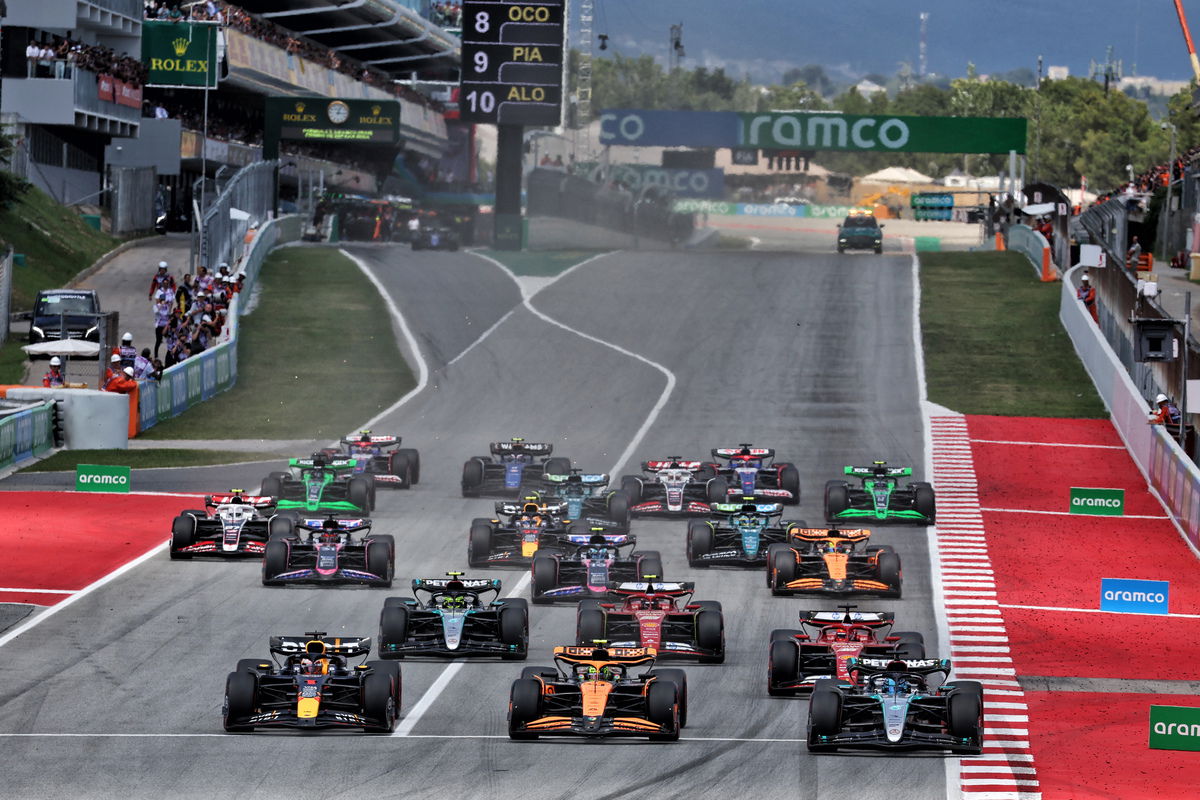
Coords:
pixel 180 54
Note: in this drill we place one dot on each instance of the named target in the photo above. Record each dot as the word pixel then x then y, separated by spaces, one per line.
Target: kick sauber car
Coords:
pixel 880 498
pixel 380 458
pixel 531 525
pixel 329 552
pixel 827 561
pixel 454 617
pixel 674 488
pixel 658 615
pixel 510 467
pixel 891 705
pixel 321 485
pixel 827 641
pixel 592 691
pixel 737 534
pixel 230 525
pixel 585 565
pixel 751 470
pixel 309 683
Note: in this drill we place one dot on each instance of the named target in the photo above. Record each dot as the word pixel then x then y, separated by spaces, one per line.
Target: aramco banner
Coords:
pixel 793 130
pixel 180 54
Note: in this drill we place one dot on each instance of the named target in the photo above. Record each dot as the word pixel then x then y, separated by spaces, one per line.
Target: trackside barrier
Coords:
pixel 26 434
pixel 1033 245
pixel 1161 460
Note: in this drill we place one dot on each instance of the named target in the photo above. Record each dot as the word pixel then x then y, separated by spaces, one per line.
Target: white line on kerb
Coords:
pixel 1069 514
pixel 1096 611
pixel 1053 444
pixel 36 591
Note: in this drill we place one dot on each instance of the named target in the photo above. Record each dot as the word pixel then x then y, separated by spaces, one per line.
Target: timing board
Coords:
pixel 512 62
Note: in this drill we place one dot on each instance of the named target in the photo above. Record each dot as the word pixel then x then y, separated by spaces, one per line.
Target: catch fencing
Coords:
pixel 246 199
pixel 131 199
pixel 649 213
pixel 6 279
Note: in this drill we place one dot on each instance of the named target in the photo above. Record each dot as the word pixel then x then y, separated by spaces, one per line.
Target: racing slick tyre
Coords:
pixel 650 565
pixel 545 578
pixel 524 703
pixel 662 708
pixel 514 628
pixel 706 473
pixel 393 670
pixel 241 698
pixel 590 625
pixel 911 645
pixel 710 635
pixel 401 467
pixel 717 490
pixel 789 479
pixel 414 463
pixel 700 539
pixel 679 678
pixel 280 527
pixel 784 634
pixel 882 548
pixel 275 561
pixel 557 466
pixel 393 630
pixel 479 543
pixel 248 665
pixel 182 529
pixel 924 502
pixel 824 715
pixel 783 665
pixel 272 486
pixel 379 702
pixel 381 559
pixel 965 712
pixel 713 605
pixel 889 572
pixel 618 508
pixel 779 553
pixel 472 478
pixel 783 571
pixel 837 498
pixel 631 485
pixel 359 493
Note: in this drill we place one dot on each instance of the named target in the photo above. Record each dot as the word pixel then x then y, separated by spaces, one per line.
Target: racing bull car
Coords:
pixel 531 525
pixel 588 499
pixel 592 692
pixel 737 534
pixel 658 615
pixel 328 552
pixel 454 617
pixel 510 467
pixel 380 458
pixel 309 684
pixel 749 471
pixel 827 641
pixel 585 565
pixel 880 498
pixel 230 525
pixel 674 488
pixel 891 705
pixel 827 561
pixel 321 485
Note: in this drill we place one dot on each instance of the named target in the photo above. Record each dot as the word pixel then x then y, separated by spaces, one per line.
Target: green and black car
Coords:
pixel 860 232
pixel 880 497
pixel 321 485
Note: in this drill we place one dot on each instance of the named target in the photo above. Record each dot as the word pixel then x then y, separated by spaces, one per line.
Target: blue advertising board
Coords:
pixel 709 183
pixel 1128 596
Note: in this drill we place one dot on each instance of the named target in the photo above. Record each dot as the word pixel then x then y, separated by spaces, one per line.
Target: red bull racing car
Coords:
pixel 531 526
pixel 658 615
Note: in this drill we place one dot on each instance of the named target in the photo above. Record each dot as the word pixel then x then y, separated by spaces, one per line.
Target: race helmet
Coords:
pixel 331 532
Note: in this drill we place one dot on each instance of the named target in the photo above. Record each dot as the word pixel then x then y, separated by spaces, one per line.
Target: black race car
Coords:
pixel 454 617
pixel 673 488
pixel 321 484
pixel 658 615
pixel 328 551
pixel 511 467
pixel 751 470
pixel 435 237
pixel 381 458
pixel 308 683
pixel 880 497
pixel 737 534
pixel 530 526
pixel 233 525
pixel 588 498
pixel 585 565
pixel 828 561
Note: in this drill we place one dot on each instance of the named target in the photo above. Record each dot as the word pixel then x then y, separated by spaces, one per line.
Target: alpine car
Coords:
pixel 588 498
pixel 380 458
pixel 674 488
pixel 592 692
pixel 511 466
pixel 321 485
pixel 827 561
pixel 309 683
pixel 531 525
pixel 826 642
pixel 737 534
pixel 880 498
pixel 229 526
pixel 860 232
pixel 328 552
pixel 751 470
pixel 454 617
pixel 584 565
pixel 658 615
pixel 890 705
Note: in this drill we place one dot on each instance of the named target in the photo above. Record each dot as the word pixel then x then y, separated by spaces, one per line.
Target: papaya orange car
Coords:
pixel 828 561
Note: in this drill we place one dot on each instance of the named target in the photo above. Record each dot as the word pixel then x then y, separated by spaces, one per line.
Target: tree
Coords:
pixel 11 187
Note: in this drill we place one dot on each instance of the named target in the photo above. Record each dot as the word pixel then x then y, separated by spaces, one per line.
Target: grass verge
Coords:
pixel 12 360
pixel 540 263
pixel 145 459
pixel 993 342
pixel 316 359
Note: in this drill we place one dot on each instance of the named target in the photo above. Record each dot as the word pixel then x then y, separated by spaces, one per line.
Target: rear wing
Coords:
pixel 817 534
pixel 349 646
pixel 610 539
pixel 870 618
pixel 379 441
pixel 336 463
pixel 318 523
pixel 671 463
pixel 237 498
pixel 509 508
pixel 878 666
pixel 743 450
pixel 519 446
pixel 622 655
pixel 465 584
pixel 878 471
pixel 747 506
pixel 674 589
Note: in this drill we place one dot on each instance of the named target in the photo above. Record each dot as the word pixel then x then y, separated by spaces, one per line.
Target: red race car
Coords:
pixel 658 615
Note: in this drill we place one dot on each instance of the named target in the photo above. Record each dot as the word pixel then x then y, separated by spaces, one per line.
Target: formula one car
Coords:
pixel 309 683
pixel 531 525
pixel 737 534
pixel 511 466
pixel 749 471
pixel 658 615
pixel 328 552
pixel 674 488
pixel 827 641
pixel 890 705
pixel 321 485
pixel 588 499
pixel 880 498
pixel 454 617
pixel 584 566
pixel 826 561
pixel 591 691
pixel 229 526
pixel 380 458
pixel 435 237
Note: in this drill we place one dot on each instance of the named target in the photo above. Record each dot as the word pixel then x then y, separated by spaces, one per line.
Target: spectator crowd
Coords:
pixel 58 56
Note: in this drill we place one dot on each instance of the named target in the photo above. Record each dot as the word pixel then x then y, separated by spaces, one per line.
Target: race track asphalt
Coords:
pixel 119 694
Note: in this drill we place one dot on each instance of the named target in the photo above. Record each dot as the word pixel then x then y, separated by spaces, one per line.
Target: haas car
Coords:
pixel 328 552
pixel 750 470
pixel 229 526
pixel 584 565
pixel 594 692
pixel 381 459
pixel 880 497
pixel 321 485
pixel 828 561
pixel 531 526
pixel 892 704
pixel 512 465
pixel 310 683
pixel 588 499
pixel 826 642
pixel 737 534
pixel 454 617
pixel 657 615
pixel 673 488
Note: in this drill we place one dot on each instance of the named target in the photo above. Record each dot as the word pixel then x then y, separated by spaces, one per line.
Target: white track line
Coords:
pixel 1097 611
pixel 37 591
pixel 1052 444
pixel 1069 514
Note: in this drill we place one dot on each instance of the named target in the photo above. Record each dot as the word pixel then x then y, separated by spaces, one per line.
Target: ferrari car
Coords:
pixel 594 692
pixel 380 458
pixel 737 534
pixel 328 551
pixel 511 466
pixel 828 561
pixel 880 497
pixel 891 704
pixel 751 470
pixel 309 683
pixel 454 617
pixel 826 642
pixel 585 564
pixel 658 615
pixel 435 237
pixel 517 532
pixel 860 232
pixel 230 525
pixel 673 488
pixel 588 498
pixel 321 485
